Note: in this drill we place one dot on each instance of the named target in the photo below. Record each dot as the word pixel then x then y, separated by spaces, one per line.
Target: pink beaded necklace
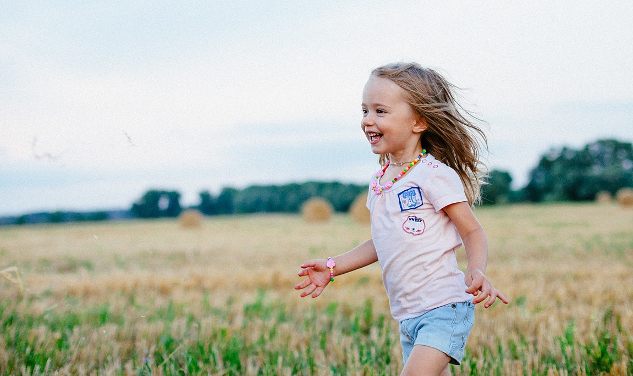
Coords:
pixel 376 185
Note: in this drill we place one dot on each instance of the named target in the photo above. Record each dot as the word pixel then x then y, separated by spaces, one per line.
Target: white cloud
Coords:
pixel 131 91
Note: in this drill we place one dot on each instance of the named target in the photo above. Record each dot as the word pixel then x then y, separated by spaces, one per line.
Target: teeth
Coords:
pixel 373 136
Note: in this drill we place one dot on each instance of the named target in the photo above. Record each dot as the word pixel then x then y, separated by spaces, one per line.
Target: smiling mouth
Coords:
pixel 374 137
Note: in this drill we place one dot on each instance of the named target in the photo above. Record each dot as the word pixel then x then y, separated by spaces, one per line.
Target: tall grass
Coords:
pixel 152 298
pixel 261 337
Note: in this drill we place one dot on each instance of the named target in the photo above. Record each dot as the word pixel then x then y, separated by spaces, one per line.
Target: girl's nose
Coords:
pixel 368 120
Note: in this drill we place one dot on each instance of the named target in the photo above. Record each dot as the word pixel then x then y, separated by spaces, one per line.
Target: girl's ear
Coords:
pixel 420 125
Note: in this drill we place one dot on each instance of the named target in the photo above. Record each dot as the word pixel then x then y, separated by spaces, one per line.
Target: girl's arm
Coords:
pixel 318 274
pixel 476 246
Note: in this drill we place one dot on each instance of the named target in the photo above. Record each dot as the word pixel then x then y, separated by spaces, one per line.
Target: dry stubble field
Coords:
pixel 153 298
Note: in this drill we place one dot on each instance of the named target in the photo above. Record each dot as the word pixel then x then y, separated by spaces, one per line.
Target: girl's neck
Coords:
pixel 402 157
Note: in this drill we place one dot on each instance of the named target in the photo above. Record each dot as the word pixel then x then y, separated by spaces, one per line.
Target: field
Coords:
pixel 154 298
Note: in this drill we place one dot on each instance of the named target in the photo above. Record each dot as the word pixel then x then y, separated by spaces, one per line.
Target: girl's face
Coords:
pixel 389 122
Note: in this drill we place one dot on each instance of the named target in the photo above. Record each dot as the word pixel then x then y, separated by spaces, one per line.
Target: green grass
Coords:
pixel 256 340
pixel 596 357
pixel 266 337
pixel 150 298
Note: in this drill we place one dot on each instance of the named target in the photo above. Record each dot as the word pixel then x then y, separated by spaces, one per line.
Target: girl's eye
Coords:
pixel 380 111
pixel 364 111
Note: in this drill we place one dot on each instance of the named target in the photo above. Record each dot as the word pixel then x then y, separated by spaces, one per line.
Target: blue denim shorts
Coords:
pixel 445 328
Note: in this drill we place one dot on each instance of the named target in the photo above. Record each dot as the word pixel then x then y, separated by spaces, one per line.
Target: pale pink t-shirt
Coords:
pixel 416 241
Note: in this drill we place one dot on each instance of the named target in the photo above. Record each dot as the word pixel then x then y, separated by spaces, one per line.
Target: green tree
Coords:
pixel 156 204
pixel 208 203
pixel 578 175
pixel 224 201
pixel 286 198
pixel 56 217
pixel 173 208
pixel 497 190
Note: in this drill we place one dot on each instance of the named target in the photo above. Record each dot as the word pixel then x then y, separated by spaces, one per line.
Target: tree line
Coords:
pixel 286 198
pixel 562 174
pixel 568 174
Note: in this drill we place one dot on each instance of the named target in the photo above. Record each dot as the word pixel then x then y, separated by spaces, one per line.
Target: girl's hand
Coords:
pixel 481 288
pixel 318 277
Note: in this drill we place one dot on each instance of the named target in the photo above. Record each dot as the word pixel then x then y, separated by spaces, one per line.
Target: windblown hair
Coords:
pixel 451 136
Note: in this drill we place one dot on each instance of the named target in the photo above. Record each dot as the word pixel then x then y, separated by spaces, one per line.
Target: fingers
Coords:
pixel 303 273
pixel 492 297
pixel 501 297
pixel 318 291
pixel 490 301
pixel 309 264
pixel 307 285
pixel 473 289
pixel 475 281
pixel 476 284
pixel 310 288
pixel 482 290
pixel 311 284
pixel 482 293
pixel 303 284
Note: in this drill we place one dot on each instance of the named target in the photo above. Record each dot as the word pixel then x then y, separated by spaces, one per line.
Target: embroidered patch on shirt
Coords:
pixel 410 199
pixel 414 225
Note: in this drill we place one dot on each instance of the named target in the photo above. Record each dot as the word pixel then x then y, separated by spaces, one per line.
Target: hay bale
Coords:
pixel 604 197
pixel 190 218
pixel 358 210
pixel 625 197
pixel 316 209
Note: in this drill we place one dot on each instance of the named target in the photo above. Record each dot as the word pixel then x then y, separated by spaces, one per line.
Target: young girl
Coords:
pixel 420 204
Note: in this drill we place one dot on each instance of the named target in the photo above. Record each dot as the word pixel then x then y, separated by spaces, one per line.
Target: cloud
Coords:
pixel 122 96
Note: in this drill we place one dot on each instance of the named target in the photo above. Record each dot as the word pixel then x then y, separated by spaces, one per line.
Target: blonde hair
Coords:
pixel 450 136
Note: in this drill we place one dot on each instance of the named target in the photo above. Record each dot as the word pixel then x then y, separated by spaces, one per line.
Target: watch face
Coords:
pixel 330 263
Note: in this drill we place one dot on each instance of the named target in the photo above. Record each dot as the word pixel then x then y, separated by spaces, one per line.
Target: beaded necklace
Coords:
pixel 376 185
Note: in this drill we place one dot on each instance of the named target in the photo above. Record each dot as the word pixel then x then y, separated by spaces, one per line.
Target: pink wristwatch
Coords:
pixel 331 264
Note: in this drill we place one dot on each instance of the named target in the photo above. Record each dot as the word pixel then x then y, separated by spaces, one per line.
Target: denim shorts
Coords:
pixel 445 328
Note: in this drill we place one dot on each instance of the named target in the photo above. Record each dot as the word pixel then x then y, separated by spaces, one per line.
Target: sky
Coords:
pixel 101 101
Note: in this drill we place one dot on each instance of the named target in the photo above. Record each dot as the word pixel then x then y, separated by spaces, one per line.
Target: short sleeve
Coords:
pixel 444 188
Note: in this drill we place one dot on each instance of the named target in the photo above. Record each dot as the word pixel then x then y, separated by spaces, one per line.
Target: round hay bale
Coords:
pixel 190 218
pixel 604 197
pixel 625 197
pixel 358 210
pixel 316 209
